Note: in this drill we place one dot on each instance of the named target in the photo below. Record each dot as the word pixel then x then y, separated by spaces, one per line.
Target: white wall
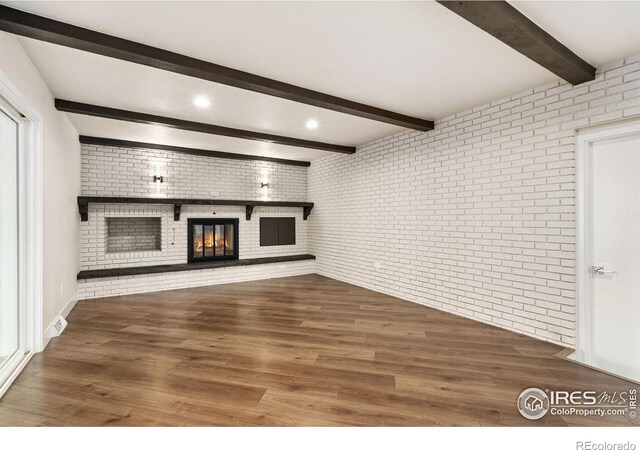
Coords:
pixel 476 217
pixel 61 179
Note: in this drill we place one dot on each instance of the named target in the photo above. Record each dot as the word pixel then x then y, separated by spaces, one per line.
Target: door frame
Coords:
pixel 31 231
pixel 584 296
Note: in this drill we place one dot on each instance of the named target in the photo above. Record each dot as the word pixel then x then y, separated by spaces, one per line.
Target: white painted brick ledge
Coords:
pixel 136 284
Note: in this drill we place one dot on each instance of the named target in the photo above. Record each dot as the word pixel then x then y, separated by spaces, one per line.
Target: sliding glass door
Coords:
pixel 11 316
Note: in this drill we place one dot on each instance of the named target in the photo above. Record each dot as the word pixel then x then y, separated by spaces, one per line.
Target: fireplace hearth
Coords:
pixel 212 239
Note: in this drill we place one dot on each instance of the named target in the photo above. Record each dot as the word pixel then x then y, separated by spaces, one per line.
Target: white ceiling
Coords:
pixel 600 32
pixel 90 78
pixel 155 134
pixel 415 58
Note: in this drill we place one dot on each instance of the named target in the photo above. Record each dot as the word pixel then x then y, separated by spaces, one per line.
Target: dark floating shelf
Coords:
pixel 124 271
pixel 83 204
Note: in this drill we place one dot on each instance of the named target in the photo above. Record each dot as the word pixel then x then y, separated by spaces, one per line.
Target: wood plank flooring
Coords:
pixel 303 350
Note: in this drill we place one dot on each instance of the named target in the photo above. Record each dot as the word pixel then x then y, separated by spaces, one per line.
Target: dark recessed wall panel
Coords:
pixel 277 231
pixel 268 231
pixel 286 231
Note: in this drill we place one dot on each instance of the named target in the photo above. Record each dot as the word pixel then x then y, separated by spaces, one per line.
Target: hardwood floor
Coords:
pixel 303 350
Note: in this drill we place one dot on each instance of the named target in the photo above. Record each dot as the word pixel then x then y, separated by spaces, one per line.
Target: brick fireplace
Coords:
pixel 155 238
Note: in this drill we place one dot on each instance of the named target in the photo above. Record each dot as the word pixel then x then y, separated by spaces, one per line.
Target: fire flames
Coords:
pixel 209 242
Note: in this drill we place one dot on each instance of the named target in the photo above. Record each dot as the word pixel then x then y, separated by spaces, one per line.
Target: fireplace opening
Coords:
pixel 133 234
pixel 212 239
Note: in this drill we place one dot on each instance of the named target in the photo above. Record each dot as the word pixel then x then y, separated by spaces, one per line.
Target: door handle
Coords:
pixel 599 270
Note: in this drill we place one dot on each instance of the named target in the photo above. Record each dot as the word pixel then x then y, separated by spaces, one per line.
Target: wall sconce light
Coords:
pixel 157 178
pixel 265 185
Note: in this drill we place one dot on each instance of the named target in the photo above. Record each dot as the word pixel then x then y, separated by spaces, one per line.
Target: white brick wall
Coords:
pixel 110 171
pixel 113 171
pixel 476 217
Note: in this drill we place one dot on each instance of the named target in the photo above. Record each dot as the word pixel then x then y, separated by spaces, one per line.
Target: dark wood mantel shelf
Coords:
pixel 124 271
pixel 83 204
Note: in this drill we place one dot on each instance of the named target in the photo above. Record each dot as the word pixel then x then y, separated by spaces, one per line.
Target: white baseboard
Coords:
pixel 64 313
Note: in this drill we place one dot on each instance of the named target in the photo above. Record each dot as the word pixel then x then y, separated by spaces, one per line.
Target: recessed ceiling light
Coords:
pixel 201 102
pixel 311 124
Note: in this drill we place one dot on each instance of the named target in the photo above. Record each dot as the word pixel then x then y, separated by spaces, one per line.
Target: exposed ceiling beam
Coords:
pixel 187 150
pixel 53 31
pixel 198 127
pixel 506 23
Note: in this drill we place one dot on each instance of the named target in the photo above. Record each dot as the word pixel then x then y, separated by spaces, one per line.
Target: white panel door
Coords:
pixel 613 193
